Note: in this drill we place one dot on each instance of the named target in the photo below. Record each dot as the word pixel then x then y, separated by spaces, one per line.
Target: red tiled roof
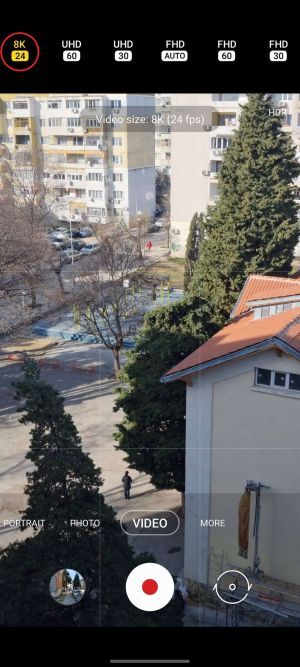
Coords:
pixel 241 334
pixel 264 287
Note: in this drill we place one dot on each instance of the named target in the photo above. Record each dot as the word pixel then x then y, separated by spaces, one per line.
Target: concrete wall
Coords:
pixel 237 432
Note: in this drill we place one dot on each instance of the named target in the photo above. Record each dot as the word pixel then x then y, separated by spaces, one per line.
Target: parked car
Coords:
pixel 66 255
pixel 57 244
pixel 90 248
pixel 75 233
pixel 63 230
pixel 160 222
pixel 77 245
pixel 57 236
pixel 153 228
pixel 85 231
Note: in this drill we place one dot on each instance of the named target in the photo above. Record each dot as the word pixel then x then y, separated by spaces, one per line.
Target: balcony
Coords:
pixel 214 175
pixel 21 124
pixel 217 153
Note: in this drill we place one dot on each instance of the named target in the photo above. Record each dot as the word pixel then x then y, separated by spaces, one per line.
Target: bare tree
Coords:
pixel 109 293
pixel 26 209
pixel 136 231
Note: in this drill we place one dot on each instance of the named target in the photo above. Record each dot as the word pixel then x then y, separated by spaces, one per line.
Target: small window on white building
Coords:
pixel 279 379
pixel 294 382
pixel 263 376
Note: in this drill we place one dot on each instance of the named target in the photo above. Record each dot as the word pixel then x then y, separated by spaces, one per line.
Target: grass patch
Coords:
pixel 169 268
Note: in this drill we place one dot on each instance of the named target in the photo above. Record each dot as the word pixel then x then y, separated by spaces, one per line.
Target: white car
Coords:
pixel 66 255
pixel 57 236
pixel 160 222
pixel 90 248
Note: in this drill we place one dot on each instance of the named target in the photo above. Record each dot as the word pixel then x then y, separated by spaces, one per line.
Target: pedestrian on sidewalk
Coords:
pixel 148 245
pixel 126 481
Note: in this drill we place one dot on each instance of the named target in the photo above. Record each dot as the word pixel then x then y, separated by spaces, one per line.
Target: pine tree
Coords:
pixel 153 431
pixel 65 484
pixel 61 467
pixel 76 581
pixel 253 228
pixel 192 247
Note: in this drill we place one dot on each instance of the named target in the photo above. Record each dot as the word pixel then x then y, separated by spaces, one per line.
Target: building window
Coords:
pixel 294 382
pixel 54 122
pixel 43 122
pixel 62 140
pixel 73 122
pixel 277 379
pixel 74 177
pixel 96 211
pixel 263 376
pixel 287 119
pixel 220 143
pixel 92 122
pixel 92 104
pixel 118 178
pixel 95 194
pixel 117 141
pixel 77 141
pixel 20 105
pixel 116 104
pixel 117 159
pixel 73 104
pixel 92 141
pixel 298 119
pixel 54 104
pixel 95 177
pixel 58 177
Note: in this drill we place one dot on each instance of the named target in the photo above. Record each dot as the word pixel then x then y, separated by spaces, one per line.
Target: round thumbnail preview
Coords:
pixel 67 587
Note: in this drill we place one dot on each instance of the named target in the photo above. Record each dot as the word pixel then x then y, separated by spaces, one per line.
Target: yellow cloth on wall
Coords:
pixel 244 517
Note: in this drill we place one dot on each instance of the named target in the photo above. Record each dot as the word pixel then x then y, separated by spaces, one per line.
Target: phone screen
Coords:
pixel 150 341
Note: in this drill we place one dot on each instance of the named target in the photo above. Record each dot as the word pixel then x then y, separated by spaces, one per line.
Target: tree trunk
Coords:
pixel 60 281
pixel 117 363
pixel 139 248
pixel 33 297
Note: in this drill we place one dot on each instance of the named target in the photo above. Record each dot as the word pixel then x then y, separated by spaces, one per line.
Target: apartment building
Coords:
pixel 163 134
pixel 196 156
pixel 93 162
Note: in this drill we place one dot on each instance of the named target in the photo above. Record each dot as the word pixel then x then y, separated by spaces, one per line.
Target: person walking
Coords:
pixel 126 481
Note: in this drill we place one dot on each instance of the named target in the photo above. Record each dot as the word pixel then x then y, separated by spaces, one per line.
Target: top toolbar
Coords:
pixel 67 61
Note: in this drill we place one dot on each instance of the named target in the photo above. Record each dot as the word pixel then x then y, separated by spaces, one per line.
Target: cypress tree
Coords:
pixel 253 228
pixel 192 247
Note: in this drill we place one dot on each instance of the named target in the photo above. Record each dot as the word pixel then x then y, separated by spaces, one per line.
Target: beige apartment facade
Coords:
pixel 196 156
pixel 98 170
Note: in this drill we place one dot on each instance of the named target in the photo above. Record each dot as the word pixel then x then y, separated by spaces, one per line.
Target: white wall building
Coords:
pixel 242 423
pixel 196 156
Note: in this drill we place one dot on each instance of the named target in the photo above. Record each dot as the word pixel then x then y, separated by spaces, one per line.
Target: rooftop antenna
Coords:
pixel 256 487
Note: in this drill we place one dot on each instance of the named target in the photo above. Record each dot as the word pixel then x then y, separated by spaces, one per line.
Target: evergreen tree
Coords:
pixel 153 431
pixel 253 228
pixel 192 247
pixel 76 581
pixel 61 467
pixel 65 485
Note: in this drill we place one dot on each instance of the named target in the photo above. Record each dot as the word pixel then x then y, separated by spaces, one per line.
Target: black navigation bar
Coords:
pixel 69 59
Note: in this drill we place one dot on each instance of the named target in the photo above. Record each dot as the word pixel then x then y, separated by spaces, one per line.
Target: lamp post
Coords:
pixel 71 239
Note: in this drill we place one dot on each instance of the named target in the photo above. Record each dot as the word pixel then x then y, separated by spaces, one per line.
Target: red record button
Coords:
pixel 150 586
pixel 19 51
